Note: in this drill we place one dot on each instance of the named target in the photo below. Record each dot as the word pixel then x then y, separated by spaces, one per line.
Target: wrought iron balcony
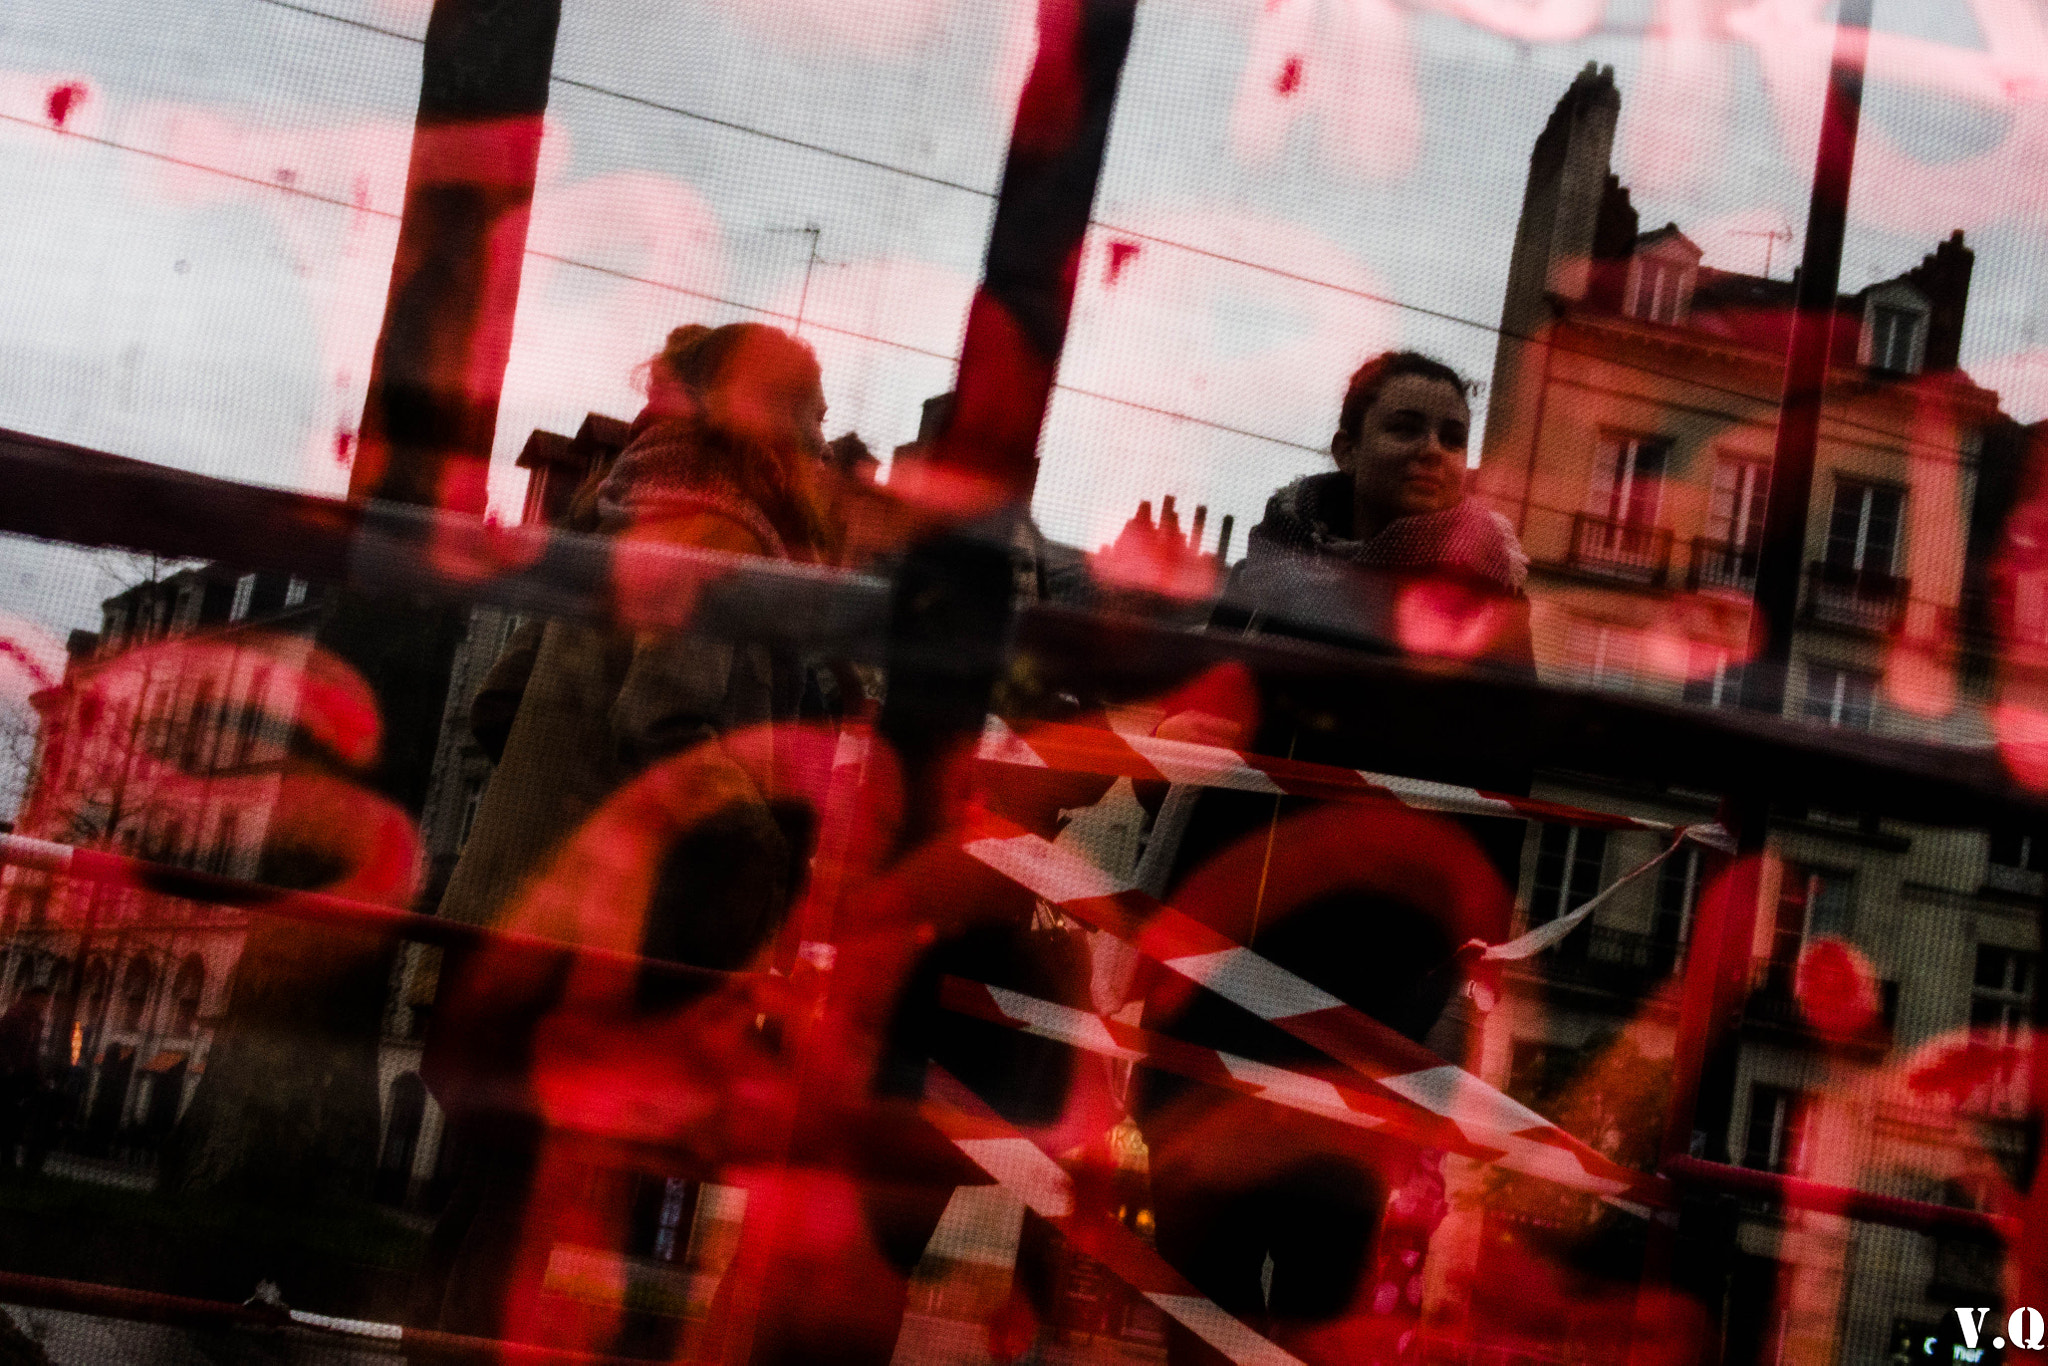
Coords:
pixel 1627 962
pixel 1620 550
pixel 1721 564
pixel 1863 599
pixel 1774 1007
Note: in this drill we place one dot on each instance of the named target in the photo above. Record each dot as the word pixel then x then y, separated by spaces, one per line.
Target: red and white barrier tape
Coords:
pixel 1309 1090
pixel 1027 1171
pixel 1142 758
pixel 1390 1063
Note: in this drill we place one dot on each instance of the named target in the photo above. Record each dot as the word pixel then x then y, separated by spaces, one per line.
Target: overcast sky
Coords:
pixel 155 305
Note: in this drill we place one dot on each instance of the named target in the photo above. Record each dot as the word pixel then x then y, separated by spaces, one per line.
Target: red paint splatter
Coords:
pixel 1289 79
pixel 63 99
pixel 344 446
pixel 1837 989
pixel 1119 254
pixel 28 662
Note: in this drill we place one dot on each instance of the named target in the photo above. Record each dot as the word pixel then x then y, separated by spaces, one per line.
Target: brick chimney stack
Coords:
pixel 1944 277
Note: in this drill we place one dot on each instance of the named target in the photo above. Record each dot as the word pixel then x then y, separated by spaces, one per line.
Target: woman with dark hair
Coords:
pixel 1336 552
pixel 1283 1219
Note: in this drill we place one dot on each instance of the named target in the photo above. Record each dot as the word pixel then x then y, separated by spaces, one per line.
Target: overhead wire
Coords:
pixel 1225 258
pixel 1207 253
pixel 811 323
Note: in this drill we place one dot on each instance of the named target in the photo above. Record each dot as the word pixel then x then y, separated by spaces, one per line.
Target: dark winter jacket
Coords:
pixel 589 707
pixel 1306 574
pixel 1447 584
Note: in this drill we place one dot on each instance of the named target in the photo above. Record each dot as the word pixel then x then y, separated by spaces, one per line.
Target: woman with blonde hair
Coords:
pixel 725 457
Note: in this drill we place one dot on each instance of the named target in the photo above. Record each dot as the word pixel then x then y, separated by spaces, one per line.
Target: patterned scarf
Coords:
pixel 1466 536
pixel 660 475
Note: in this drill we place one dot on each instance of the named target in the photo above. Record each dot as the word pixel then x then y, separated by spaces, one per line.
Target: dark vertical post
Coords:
pixel 440 362
pixel 1718 965
pixel 1806 369
pixel 1018 321
pixel 303 1020
pixel 953 597
pixel 950 619
pixel 1708 1046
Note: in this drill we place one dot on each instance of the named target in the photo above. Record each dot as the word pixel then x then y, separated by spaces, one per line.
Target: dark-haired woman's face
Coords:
pixel 1408 454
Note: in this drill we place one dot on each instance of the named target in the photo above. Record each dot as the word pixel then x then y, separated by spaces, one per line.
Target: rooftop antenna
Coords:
pixel 812 260
pixel 1771 237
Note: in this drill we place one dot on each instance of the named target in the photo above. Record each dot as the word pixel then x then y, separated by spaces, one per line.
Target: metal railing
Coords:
pixel 1721 564
pixel 1621 550
pixel 1860 599
pixel 1602 957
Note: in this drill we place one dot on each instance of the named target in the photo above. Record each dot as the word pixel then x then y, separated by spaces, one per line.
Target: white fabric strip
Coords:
pixel 42 855
pixel 1244 978
pixel 1062 1024
pixel 1044 869
pixel 362 1328
pixel 1464 801
pixel 1465 1100
pixel 1295 1091
pixel 1544 935
pixel 1024 1170
pixel 1221 1331
pixel 1000 745
pixel 1182 761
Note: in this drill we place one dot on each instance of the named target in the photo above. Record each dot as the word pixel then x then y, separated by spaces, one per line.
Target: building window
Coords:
pixel 187 994
pixel 1628 480
pixel 187 615
pixel 225 839
pixel 252 713
pixel 1840 697
pixel 1712 678
pixel 1776 1137
pixel 245 590
pixel 1656 290
pixel 1678 891
pixel 1894 334
pixel 1568 865
pixel 199 727
pixel 1810 903
pixel 135 985
pixel 1735 506
pixel 1603 656
pixel 2002 993
pixel 2014 850
pixel 1726 557
pixel 294 592
pixel 1863 527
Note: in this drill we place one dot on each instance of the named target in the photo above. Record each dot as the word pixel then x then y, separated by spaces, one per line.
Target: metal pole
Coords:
pixel 1806 367
pixel 959 589
pixel 1018 321
pixel 1707 1050
pixel 440 363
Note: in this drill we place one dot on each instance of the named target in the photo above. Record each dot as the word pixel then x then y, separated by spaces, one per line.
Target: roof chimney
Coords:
pixel 1944 277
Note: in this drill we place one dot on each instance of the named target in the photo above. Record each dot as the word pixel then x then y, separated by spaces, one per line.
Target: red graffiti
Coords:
pixel 63 99
pixel 1120 253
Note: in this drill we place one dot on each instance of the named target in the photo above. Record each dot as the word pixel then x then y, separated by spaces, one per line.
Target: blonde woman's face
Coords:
pixel 774 394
